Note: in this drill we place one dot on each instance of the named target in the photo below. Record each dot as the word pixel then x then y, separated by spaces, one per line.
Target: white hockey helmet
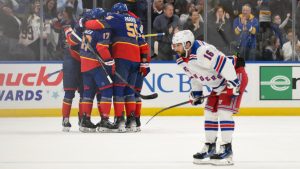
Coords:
pixel 183 37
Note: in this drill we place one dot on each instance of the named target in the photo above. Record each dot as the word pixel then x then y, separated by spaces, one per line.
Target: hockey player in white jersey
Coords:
pixel 226 76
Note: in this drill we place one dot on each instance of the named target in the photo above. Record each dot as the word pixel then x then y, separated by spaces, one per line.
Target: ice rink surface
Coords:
pixel 165 143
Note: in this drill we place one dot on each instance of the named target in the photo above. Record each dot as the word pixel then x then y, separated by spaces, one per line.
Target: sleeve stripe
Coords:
pixel 222 66
pixel 217 62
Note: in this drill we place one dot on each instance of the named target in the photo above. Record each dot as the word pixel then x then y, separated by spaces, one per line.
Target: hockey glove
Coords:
pixel 144 68
pixel 196 98
pixel 110 66
pixel 233 87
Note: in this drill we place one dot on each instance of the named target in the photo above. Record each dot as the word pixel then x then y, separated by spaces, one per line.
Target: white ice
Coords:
pixel 165 143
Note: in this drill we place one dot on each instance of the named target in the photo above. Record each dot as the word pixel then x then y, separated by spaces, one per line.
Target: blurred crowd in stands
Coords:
pixel 258 30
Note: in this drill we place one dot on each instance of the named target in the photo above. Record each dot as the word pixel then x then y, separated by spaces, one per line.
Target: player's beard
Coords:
pixel 183 54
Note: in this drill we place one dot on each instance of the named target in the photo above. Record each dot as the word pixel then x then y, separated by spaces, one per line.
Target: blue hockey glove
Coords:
pixel 196 98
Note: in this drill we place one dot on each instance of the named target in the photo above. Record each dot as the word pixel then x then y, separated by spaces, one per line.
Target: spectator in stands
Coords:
pixel 157 9
pixel 288 47
pixel 167 23
pixel 281 7
pixel 181 7
pixel 272 50
pixel 50 11
pixel 75 4
pixel 141 11
pixel 31 33
pixel 246 27
pixel 219 29
pixel 13 4
pixel 278 27
pixel 195 25
pixel 9 22
pixel 182 11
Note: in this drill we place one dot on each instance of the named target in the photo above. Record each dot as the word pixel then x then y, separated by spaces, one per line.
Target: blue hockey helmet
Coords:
pixel 119 8
pixel 98 13
pixel 87 14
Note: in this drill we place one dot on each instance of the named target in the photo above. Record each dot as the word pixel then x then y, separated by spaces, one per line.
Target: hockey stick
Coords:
pixel 170 107
pixel 53 73
pixel 145 97
pixel 154 34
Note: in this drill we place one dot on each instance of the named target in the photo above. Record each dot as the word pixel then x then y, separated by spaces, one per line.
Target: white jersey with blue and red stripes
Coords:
pixel 208 66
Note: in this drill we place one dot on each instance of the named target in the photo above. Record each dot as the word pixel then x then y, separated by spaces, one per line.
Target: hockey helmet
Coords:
pixel 98 13
pixel 119 8
pixel 183 37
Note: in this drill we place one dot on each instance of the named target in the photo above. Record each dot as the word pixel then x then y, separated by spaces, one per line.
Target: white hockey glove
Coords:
pixel 196 98
pixel 233 87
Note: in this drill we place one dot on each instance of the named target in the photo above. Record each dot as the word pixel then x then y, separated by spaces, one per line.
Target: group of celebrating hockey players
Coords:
pixel 110 58
pixel 105 44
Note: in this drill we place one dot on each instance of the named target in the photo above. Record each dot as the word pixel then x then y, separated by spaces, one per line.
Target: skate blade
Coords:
pixel 138 129
pixel 204 161
pixel 66 129
pixel 131 130
pixel 119 130
pixel 104 130
pixel 222 162
pixel 87 130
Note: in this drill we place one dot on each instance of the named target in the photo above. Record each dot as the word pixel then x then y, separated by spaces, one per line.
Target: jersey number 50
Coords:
pixel 132 30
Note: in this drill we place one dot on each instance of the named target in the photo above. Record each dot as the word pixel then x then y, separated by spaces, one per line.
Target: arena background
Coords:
pixel 25 89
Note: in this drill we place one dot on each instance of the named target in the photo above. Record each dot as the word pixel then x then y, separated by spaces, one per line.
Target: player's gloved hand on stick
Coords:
pixel 110 66
pixel 144 68
pixel 233 87
pixel 196 98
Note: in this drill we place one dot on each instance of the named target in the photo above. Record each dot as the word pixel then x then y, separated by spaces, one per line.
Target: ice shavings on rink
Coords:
pixel 165 143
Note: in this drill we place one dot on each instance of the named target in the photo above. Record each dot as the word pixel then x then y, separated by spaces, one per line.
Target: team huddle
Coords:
pixel 109 58
pixel 101 45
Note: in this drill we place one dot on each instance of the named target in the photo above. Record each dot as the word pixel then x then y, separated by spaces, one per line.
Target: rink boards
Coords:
pixel 35 89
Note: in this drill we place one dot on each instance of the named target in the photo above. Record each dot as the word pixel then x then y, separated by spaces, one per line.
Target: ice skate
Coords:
pixel 105 126
pixel 207 151
pixel 131 123
pixel 138 124
pixel 224 156
pixel 119 125
pixel 66 124
pixel 86 126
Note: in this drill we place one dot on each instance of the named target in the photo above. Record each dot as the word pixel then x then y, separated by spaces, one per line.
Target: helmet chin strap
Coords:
pixel 186 50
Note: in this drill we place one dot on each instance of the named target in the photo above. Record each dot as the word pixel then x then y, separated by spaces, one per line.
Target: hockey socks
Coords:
pixel 211 126
pixel 227 125
pixel 104 107
pixel 66 107
pixel 87 106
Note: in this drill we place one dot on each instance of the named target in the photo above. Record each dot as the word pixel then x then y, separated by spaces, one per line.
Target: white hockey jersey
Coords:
pixel 32 32
pixel 207 66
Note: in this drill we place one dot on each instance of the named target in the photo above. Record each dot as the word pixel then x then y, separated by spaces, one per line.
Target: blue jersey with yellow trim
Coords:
pixel 99 41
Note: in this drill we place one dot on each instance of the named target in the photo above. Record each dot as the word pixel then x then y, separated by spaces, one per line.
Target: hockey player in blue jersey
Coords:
pixel 96 75
pixel 72 79
pixel 125 38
